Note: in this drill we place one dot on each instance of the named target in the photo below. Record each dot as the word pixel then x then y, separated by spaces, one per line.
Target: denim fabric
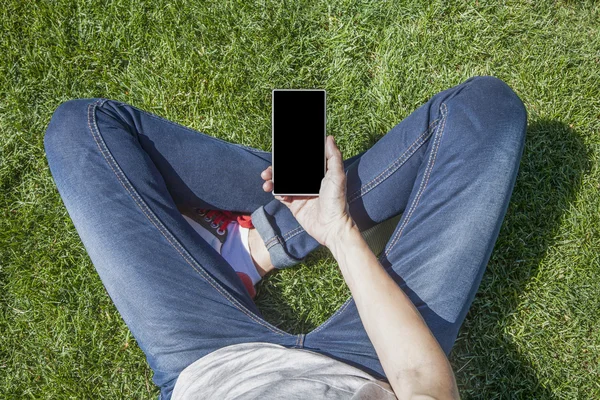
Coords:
pixel 448 169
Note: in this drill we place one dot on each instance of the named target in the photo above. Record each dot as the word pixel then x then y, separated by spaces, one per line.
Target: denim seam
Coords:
pixel 425 180
pixel 157 223
pixel 293 232
pixel 299 231
pixel 276 242
pixel 252 149
pixel 335 314
pixel 273 239
pixel 290 234
pixel 393 167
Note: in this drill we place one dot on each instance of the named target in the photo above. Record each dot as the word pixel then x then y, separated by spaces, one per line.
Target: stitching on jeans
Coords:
pixel 158 224
pixel 392 167
pixel 297 233
pixel 255 150
pixel 273 239
pixel 271 242
pixel 335 314
pixel 293 232
pixel 425 180
pixel 278 241
pixel 367 187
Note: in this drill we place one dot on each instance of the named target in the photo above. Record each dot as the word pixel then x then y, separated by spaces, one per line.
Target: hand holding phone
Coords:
pixel 326 216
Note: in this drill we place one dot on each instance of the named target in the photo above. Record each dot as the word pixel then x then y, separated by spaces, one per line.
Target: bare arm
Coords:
pixel 412 359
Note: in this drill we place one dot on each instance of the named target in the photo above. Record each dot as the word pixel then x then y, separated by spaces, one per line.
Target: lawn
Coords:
pixel 534 328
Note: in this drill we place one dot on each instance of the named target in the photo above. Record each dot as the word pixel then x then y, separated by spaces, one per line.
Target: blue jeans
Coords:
pixel 449 168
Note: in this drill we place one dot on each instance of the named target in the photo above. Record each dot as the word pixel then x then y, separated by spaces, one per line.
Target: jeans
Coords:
pixel 449 169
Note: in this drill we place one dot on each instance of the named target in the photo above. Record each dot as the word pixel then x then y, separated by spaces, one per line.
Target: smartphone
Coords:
pixel 298 125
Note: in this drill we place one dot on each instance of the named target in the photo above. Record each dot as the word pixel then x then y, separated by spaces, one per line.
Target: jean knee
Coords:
pixel 502 98
pixel 502 107
pixel 67 125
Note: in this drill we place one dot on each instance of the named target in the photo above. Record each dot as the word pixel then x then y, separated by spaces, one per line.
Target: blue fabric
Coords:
pixel 449 168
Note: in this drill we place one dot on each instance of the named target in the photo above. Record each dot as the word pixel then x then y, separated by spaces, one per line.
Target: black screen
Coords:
pixel 298 141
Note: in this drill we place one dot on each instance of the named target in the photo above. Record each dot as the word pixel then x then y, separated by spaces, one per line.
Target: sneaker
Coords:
pixel 227 233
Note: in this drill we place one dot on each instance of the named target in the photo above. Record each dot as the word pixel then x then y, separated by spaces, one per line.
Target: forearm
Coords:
pixel 411 357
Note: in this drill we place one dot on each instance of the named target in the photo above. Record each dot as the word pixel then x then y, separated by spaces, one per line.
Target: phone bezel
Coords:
pixel 273 137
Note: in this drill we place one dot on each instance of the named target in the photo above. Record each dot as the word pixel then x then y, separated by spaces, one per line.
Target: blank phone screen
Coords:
pixel 299 119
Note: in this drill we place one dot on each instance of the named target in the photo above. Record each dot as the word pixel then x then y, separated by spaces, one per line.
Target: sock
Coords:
pixel 247 266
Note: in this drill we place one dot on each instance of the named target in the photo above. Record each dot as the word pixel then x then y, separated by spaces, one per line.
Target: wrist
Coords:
pixel 344 232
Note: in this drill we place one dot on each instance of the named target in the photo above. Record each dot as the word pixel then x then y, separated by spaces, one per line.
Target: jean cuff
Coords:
pixel 280 258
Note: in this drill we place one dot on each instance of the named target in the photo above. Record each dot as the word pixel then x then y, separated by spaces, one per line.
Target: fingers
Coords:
pixel 267 174
pixel 268 186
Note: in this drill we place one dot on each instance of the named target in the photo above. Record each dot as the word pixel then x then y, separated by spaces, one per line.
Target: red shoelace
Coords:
pixel 220 219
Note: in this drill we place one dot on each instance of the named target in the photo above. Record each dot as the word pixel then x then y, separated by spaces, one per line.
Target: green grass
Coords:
pixel 534 328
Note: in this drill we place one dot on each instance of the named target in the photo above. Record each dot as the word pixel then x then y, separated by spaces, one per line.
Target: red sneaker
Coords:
pixel 227 232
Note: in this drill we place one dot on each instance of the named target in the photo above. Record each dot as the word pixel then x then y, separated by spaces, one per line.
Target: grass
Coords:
pixel 534 328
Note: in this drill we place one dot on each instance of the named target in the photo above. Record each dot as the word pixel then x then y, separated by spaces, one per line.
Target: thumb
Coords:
pixel 334 157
